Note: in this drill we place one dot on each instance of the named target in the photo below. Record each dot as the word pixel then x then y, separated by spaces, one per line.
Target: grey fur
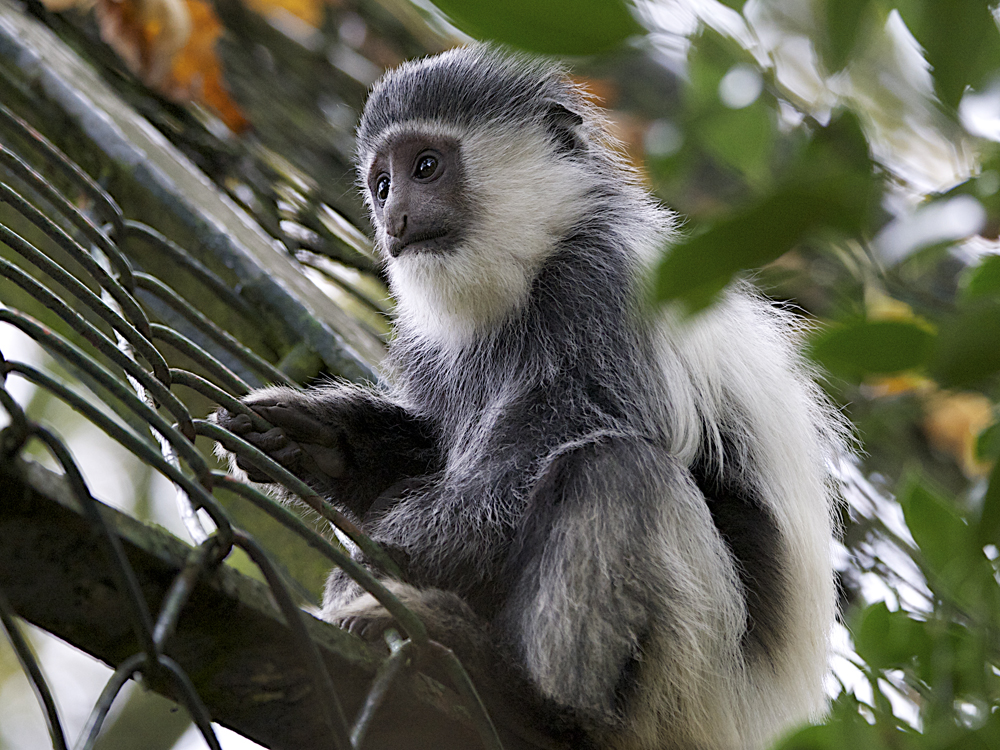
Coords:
pixel 622 515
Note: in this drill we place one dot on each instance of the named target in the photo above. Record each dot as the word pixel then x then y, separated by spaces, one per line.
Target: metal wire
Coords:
pixel 34 673
pixel 109 336
pixel 399 655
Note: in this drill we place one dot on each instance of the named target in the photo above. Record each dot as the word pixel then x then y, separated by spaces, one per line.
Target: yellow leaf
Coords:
pixel 953 421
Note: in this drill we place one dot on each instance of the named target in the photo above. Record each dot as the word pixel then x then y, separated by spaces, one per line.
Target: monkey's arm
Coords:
pixel 349 443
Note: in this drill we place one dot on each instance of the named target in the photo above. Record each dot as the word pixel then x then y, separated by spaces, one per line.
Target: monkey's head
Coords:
pixel 475 164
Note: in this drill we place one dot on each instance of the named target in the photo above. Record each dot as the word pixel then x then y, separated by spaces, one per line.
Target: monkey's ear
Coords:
pixel 564 125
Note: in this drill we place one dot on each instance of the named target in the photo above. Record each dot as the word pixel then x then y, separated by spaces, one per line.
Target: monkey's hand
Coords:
pixel 349 443
pixel 309 448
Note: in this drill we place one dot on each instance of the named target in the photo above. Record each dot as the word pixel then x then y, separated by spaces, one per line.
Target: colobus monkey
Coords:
pixel 624 514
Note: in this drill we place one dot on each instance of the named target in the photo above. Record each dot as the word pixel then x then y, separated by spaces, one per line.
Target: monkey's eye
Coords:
pixel 382 188
pixel 426 167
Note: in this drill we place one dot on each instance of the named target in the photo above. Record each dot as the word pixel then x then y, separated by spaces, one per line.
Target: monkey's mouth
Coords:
pixel 434 240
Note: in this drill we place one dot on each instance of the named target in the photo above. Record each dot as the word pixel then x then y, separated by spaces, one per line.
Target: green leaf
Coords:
pixel 987 737
pixel 741 138
pixel 949 653
pixel 934 650
pixel 952 556
pixel 734 4
pixel 826 737
pixel 936 527
pixel 989 521
pixel 843 20
pixel 839 146
pixel 985 188
pixel 551 27
pixel 831 186
pixel 872 347
pixel 844 729
pixel 712 56
pixel 984 279
pixel 988 443
pixel 696 270
pixel 968 346
pixel 883 638
pixel 960 41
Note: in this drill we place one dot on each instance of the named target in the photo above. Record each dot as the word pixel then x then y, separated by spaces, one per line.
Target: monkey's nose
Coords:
pixel 395 224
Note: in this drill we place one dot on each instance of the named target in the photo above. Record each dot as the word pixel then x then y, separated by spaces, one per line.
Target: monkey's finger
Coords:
pixel 269 441
pixel 364 627
pixel 235 423
pixel 348 623
pixel 288 456
pixel 272 397
pixel 298 424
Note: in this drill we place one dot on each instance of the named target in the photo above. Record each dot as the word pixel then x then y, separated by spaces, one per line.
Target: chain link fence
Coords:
pixel 148 351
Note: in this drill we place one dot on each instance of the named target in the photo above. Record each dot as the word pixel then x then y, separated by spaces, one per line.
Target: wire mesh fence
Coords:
pixel 143 347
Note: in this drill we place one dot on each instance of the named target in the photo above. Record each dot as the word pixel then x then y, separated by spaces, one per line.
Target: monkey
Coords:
pixel 625 514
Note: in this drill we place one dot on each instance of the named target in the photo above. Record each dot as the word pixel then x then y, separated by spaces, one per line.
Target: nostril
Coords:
pixel 396 226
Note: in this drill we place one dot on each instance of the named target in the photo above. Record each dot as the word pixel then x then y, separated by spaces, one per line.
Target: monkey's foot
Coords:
pixel 364 617
pixel 447 617
pixel 367 618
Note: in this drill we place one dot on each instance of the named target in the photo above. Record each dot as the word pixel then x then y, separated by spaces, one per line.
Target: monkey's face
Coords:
pixel 419 195
pixel 464 218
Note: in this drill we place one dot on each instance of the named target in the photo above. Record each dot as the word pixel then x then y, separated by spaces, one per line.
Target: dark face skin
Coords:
pixel 418 191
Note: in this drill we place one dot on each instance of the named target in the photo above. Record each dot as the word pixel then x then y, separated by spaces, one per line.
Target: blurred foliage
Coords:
pixel 577 28
pixel 836 150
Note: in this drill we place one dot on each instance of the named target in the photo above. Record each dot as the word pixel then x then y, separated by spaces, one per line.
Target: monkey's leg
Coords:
pixel 524 717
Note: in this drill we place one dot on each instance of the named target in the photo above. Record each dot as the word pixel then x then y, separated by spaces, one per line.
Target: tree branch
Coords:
pixel 231 640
